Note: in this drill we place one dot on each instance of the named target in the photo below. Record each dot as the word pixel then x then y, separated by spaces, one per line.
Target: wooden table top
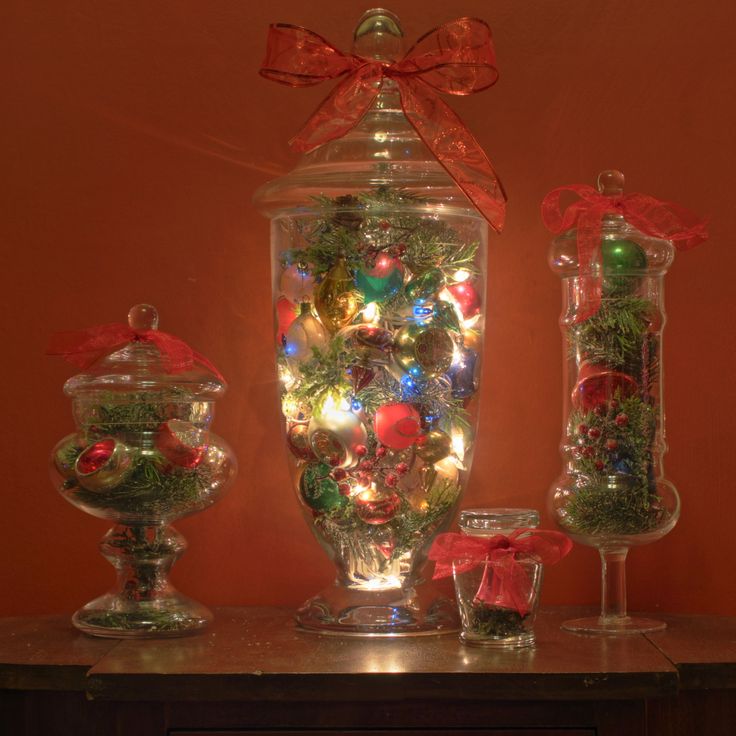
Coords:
pixel 253 654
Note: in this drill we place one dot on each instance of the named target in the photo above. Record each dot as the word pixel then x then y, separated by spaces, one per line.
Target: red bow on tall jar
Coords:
pixel 456 58
pixel 505 582
pixel 651 216
pixel 83 347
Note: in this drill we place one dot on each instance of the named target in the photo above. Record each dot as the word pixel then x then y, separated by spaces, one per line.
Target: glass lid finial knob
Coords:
pixel 143 317
pixel 611 183
pixel 378 35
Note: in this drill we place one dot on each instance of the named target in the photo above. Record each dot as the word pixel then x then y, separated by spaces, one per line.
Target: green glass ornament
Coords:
pixel 445 316
pixel 623 262
pixel 318 489
pixel 423 287
pixel 382 281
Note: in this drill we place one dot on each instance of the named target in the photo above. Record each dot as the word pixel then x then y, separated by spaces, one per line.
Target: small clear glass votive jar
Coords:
pixel 499 596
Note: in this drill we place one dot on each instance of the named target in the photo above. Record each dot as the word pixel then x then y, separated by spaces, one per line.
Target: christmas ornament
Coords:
pixel 360 376
pixel 397 425
pixel 424 287
pixel 335 436
pixel 64 455
pixel 423 351
pixel 375 508
pixel 336 300
pixel 318 489
pixel 297 283
pixel 104 464
pixel 596 385
pixel 623 263
pixel 181 443
pixel 143 405
pixel 464 374
pixel 305 333
pixel 466 298
pixel 433 446
pixel 382 281
pixel 371 344
pixel 286 313
pixel 611 493
pixel 297 440
pixel 445 316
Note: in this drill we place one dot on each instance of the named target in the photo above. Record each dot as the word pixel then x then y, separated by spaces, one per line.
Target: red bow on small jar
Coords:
pixel 83 347
pixel 509 585
pixel 651 216
pixel 456 58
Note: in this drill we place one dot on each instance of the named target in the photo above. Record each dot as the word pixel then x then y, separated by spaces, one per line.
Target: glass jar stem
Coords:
pixel 613 584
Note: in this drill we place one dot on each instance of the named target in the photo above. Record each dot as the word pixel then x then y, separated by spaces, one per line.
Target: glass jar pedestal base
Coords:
pixel 143 604
pixel 112 616
pixel 608 625
pixel 394 612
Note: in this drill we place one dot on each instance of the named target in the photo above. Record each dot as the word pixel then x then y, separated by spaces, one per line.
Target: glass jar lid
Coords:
pixel 382 150
pixel 487 522
pixel 627 249
pixel 145 360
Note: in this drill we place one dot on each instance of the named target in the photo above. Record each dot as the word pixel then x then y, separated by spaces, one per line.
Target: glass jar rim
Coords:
pixel 498 519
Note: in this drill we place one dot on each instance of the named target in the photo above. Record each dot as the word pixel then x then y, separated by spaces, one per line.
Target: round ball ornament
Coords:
pixel 318 490
pixel 335 437
pixel 103 465
pixel 397 425
pixel 65 455
pixel 597 385
pixel 377 508
pixel 286 313
pixel 466 298
pixel 423 351
pixel 305 333
pixel 382 281
pixel 434 446
pixel 624 261
pixel 182 443
pixel 296 282
pixel 297 440
pixel 464 374
pixel 336 299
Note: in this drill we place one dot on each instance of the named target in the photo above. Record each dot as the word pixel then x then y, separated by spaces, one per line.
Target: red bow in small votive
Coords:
pixel 83 347
pixel 651 216
pixel 456 58
pixel 510 586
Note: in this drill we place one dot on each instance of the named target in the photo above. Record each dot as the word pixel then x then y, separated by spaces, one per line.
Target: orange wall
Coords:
pixel 132 138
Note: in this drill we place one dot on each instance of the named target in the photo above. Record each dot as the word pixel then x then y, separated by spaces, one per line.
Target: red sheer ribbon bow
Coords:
pixel 456 58
pixel 84 347
pixel 510 586
pixel 649 215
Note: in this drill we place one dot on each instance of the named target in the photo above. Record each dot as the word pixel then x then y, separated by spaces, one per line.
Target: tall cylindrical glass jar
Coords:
pixel 612 493
pixel 379 290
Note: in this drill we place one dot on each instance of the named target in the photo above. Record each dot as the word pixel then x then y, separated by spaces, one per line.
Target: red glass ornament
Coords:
pixel 597 384
pixel 377 509
pixel 397 425
pixel 297 440
pixel 181 443
pixel 362 376
pixel 466 297
pixel 96 456
pixel 286 313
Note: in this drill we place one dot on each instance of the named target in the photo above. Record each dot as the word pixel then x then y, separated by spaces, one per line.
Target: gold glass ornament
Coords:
pixel 423 351
pixel 337 301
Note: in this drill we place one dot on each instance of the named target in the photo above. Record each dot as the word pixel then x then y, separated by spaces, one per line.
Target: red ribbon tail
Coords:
pixel 455 148
pixel 83 347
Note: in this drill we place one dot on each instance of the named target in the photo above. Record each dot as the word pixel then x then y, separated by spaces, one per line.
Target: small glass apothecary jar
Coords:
pixel 499 595
pixel 142 456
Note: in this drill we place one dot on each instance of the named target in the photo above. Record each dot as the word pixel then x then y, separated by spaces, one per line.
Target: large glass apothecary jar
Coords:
pixel 379 298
